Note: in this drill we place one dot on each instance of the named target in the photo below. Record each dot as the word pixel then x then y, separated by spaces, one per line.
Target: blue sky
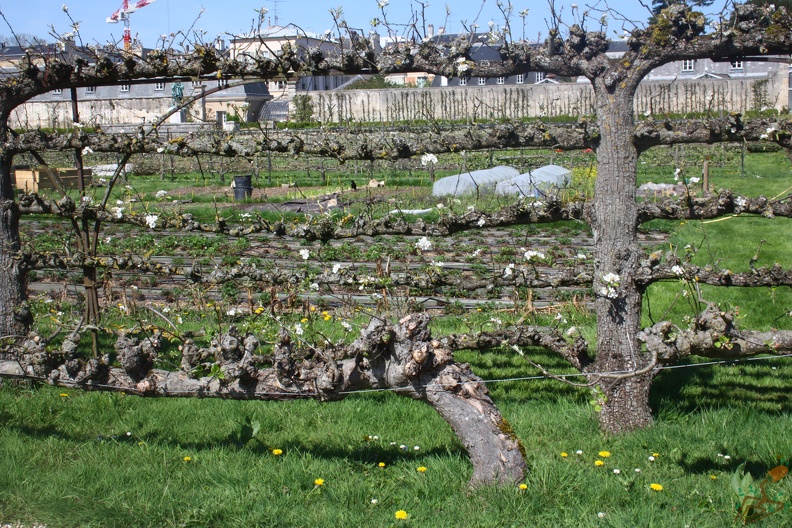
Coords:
pixel 235 16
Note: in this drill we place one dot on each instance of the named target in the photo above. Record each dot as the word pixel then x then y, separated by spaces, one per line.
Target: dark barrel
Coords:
pixel 243 187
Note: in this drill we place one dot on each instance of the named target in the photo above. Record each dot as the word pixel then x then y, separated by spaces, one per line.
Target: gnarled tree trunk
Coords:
pixel 15 317
pixel 624 402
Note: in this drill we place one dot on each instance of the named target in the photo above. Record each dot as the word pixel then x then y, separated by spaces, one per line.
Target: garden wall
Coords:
pixel 572 99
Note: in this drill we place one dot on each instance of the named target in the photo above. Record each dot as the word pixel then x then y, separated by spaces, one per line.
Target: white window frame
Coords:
pixel 688 65
pixel 501 80
pixel 482 81
pixel 57 91
pixel 737 65
pixel 463 81
pixel 124 88
pixel 159 87
pixel 520 78
pixel 540 76
pixel 90 89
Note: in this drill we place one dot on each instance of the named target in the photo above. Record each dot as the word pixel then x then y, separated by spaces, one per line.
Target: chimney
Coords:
pixel 430 30
pixel 441 30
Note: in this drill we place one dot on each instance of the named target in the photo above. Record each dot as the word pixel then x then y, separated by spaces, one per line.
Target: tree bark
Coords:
pixel 15 316
pixel 624 402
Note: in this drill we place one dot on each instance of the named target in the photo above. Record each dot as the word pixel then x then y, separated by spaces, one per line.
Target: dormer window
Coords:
pixel 688 65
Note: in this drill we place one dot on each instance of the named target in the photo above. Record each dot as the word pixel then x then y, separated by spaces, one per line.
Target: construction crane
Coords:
pixel 122 14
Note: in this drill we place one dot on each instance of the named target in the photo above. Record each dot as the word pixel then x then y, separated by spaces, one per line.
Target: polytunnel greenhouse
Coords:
pixel 537 183
pixel 479 181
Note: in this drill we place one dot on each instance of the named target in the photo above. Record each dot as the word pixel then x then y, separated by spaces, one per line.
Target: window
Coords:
pixel 520 78
pixel 463 81
pixel 159 87
pixel 501 80
pixel 482 81
pixel 540 76
pixel 124 87
pixel 57 91
pixel 737 65
pixel 196 84
pixel 421 81
pixel 688 65
pixel 90 89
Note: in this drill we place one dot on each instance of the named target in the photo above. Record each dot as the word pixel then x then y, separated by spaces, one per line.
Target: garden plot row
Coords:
pixel 463 271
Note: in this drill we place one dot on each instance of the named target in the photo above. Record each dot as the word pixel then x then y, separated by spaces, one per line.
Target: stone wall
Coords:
pixel 505 102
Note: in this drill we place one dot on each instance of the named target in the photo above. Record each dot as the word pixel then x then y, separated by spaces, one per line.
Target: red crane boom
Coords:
pixel 122 14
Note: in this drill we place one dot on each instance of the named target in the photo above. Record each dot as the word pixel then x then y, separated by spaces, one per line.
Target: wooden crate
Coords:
pixel 33 180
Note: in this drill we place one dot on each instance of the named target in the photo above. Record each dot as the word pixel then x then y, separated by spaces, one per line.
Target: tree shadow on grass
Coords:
pixel 753 386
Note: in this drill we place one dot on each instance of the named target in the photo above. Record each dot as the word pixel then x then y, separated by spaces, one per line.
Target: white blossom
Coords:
pixel 481 222
pixel 424 244
pixel 611 282
pixel 336 268
pixel 161 194
pixel 118 212
pixel 298 329
pixel 151 220
pixel 677 173
pixel 382 4
pixel 695 180
pixel 304 253
pixel 86 151
pixel 314 286
pixel 347 326
pixel 531 255
pixel 426 159
pixel 678 271
pixel 740 202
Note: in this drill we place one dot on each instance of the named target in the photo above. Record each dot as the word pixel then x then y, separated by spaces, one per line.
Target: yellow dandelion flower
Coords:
pixel 313 308
pixel 523 487
pixel 319 482
pixel 64 395
pixel 656 487
pixel 421 469
pixel 401 515
pixel 187 459
pixel 564 454
pixel 599 463
pixel 655 454
pixel 604 454
pixel 327 317
pixel 277 452
pixel 381 464
pixel 304 320
pixel 713 477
